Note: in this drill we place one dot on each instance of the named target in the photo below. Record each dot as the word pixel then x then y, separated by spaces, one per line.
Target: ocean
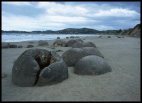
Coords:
pixel 14 37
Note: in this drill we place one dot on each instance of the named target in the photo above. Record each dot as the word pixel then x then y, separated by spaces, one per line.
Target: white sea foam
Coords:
pixel 13 37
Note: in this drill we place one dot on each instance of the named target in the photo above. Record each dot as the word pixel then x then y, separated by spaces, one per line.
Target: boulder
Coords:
pixel 28 67
pixel 77 45
pixel 58 37
pixel 12 46
pixel 72 41
pixel 59 42
pixel 5 45
pixel 19 46
pixel 43 43
pixel 92 65
pixel 30 46
pixel 89 44
pixel 92 51
pixel 72 55
pixel 54 73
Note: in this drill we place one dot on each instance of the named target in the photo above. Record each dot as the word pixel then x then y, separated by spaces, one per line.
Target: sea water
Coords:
pixel 14 37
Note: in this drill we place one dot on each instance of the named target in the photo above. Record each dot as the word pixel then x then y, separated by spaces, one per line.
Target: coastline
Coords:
pixel 122 84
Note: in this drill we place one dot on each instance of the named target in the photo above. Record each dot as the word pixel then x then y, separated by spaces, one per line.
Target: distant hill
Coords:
pixel 132 31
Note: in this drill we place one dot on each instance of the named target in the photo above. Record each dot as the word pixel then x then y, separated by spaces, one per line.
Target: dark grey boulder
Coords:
pixel 92 51
pixel 82 44
pixel 72 55
pixel 59 42
pixel 30 46
pixel 54 73
pixel 58 37
pixel 43 43
pixel 12 46
pixel 92 65
pixel 28 65
pixel 77 45
pixel 19 46
pixel 88 44
pixel 5 45
pixel 72 41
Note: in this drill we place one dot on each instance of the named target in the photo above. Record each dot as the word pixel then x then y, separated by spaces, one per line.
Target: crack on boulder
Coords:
pixel 43 61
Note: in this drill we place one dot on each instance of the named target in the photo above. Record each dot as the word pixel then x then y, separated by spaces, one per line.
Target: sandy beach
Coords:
pixel 122 84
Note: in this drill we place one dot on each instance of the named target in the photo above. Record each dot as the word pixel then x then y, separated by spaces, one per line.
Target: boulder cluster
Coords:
pixel 39 67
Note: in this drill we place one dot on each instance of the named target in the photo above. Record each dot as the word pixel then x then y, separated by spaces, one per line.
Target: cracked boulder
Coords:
pixel 29 64
pixel 92 65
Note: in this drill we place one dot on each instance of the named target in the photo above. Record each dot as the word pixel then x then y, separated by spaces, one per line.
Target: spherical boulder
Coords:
pixel 77 45
pixel 92 51
pixel 30 46
pixel 54 73
pixel 72 55
pixel 92 65
pixel 59 42
pixel 5 45
pixel 43 43
pixel 72 41
pixel 89 44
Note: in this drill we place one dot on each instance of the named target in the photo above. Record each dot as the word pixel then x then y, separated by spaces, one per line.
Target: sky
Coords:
pixel 32 16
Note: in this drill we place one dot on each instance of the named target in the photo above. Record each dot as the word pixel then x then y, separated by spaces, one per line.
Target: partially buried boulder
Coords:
pixel 5 45
pixel 92 65
pixel 43 43
pixel 89 44
pixel 30 46
pixel 27 67
pixel 72 55
pixel 92 51
pixel 59 42
pixel 82 44
pixel 73 41
pixel 53 74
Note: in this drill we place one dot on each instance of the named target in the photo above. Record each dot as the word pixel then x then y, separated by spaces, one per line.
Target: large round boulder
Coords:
pixel 72 41
pixel 59 42
pixel 27 67
pixel 54 73
pixel 72 55
pixel 43 43
pixel 92 65
pixel 5 45
pixel 88 44
pixel 92 51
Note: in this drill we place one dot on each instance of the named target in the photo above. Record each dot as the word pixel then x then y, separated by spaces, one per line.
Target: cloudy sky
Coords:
pixel 30 16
